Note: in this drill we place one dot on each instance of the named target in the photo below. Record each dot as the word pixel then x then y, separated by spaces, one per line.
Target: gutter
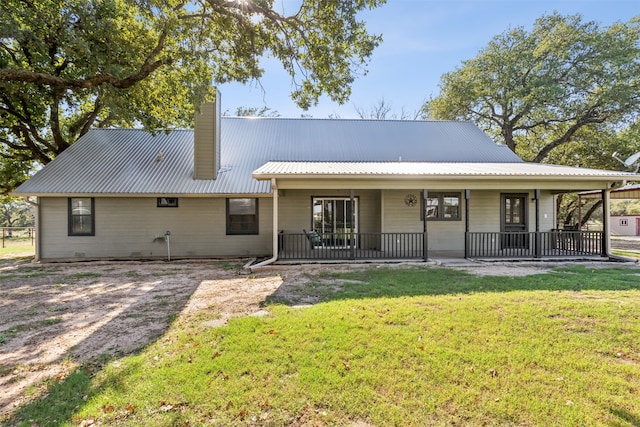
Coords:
pixel 274 232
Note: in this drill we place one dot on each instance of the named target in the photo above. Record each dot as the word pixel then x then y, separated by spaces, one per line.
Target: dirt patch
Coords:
pixel 54 317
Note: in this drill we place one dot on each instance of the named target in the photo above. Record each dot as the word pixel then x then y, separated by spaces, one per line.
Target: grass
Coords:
pixel 17 247
pixel 627 253
pixel 386 347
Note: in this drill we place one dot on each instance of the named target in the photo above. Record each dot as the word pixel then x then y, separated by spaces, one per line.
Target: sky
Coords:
pixel 422 40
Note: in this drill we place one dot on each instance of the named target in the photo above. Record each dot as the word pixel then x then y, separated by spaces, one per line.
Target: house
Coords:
pixel 625 225
pixel 305 189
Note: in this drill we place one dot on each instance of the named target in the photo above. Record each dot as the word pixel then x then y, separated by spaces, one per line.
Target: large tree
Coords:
pixel 538 91
pixel 67 66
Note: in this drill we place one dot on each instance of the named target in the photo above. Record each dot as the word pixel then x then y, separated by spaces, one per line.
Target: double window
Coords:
pixel 242 216
pixel 81 216
pixel 442 207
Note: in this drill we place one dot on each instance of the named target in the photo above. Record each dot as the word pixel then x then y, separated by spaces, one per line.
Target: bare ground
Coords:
pixel 56 316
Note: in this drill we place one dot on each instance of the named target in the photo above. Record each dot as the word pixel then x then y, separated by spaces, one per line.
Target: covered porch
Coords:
pixel 420 211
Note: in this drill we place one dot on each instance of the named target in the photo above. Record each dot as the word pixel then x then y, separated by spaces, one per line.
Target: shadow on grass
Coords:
pixel 419 281
pixel 149 311
pixel 61 401
pixel 626 416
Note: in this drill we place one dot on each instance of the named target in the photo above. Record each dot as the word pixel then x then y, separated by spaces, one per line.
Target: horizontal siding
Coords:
pixel 294 209
pixel 631 229
pixel 399 218
pixel 134 227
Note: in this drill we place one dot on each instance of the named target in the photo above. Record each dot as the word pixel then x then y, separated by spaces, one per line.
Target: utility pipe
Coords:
pixel 167 238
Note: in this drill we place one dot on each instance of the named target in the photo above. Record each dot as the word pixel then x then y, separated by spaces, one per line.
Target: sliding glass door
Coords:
pixel 335 219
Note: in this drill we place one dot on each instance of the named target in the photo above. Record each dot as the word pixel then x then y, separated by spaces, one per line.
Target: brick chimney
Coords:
pixel 206 140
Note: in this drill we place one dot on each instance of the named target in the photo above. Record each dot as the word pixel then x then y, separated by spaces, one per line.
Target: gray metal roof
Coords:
pixel 124 161
pixel 431 169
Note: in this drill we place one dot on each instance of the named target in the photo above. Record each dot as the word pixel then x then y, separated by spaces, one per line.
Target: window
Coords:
pixel 81 216
pixel 167 202
pixel 624 222
pixel 242 216
pixel 442 207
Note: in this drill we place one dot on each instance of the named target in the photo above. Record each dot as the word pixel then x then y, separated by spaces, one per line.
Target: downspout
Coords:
pixel 274 232
pixel 37 221
pixel 606 221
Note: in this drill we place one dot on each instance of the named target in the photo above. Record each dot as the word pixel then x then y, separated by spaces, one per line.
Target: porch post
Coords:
pixel 467 197
pixel 538 252
pixel 606 240
pixel 425 240
pixel 353 223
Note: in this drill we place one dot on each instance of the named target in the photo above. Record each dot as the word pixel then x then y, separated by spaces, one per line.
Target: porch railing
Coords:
pixel 533 245
pixel 362 246
pixel 343 246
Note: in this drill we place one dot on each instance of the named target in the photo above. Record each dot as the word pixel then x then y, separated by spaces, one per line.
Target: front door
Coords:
pixel 513 225
pixel 335 219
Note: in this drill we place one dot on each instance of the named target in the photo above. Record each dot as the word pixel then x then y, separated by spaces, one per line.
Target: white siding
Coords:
pixel 631 227
pixel 135 227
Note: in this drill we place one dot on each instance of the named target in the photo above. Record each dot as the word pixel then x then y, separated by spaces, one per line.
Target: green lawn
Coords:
pixel 17 247
pixel 391 347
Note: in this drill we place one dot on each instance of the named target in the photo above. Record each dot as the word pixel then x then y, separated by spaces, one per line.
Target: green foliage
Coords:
pixel 68 66
pixel 564 82
pixel 16 213
pixel 625 207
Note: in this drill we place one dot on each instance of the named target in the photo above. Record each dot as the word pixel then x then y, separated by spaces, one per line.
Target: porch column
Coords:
pixel 353 223
pixel 467 197
pixel 538 251
pixel 425 240
pixel 606 239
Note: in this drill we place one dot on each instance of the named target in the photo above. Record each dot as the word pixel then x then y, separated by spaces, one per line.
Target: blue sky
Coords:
pixel 423 39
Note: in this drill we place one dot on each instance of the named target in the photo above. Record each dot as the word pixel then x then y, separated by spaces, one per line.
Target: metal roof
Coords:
pixel 124 161
pixel 429 169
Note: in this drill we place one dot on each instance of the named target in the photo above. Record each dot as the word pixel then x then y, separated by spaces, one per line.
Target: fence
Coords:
pixel 14 236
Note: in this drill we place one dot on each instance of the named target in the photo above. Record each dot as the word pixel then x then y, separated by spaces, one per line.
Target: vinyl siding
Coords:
pixel 135 227
pixel 484 209
pixel 295 209
pixel 631 229
pixel 444 236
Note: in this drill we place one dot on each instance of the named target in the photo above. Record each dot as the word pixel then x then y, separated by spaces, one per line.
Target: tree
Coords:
pixel 67 66
pixel 383 110
pixel 254 112
pixel 16 213
pixel 593 147
pixel 539 91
